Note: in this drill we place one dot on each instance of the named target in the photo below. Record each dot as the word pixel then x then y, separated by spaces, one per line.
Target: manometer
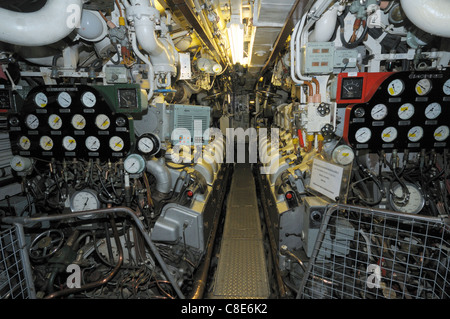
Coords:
pixel 88 99
pixel 24 143
pixel 92 143
pixel 69 143
pixel 446 87
pixel 396 87
pixel 413 203
pixel 32 121
pixel 406 111
pixel 64 99
pixel 40 99
pixel 389 134
pixel 134 164
pixel 54 121
pixel 343 155
pixel 423 87
pixel 116 143
pixel 415 133
pixel 379 112
pixel 84 200
pixel 433 110
pixel 78 122
pixel 441 133
pixel 46 143
pixel 148 144
pixel 20 164
pixel 363 135
pixel 102 121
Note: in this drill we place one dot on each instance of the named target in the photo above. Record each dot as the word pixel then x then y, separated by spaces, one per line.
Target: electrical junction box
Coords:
pixel 345 58
pixel 191 124
pixel 318 58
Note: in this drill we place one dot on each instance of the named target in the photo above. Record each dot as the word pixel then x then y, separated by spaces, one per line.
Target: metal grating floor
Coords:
pixel 242 270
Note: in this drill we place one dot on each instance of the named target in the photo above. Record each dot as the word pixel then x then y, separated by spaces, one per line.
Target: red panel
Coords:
pixel 371 82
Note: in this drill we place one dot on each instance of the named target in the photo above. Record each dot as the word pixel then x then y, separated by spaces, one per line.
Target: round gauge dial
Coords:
pixel 64 99
pixel 92 143
pixel 379 112
pixel 88 99
pixel 32 121
pixel 441 133
pixel 69 143
pixel 116 143
pixel 134 164
pixel 433 110
pixel 24 143
pixel 343 154
pixel 396 87
pixel 46 143
pixel 41 100
pixel 78 122
pixel 360 112
pixel 406 111
pixel 84 200
pixel 102 121
pixel 55 121
pixel 20 164
pixel 363 135
pixel 415 134
pixel 389 134
pixel 149 144
pixel 423 87
pixel 412 203
pixel 446 87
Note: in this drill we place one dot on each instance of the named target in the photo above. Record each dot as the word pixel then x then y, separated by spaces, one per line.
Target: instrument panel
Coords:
pixel 70 121
pixel 407 111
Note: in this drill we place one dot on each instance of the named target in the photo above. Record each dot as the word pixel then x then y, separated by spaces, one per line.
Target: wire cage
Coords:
pixel 15 269
pixel 362 253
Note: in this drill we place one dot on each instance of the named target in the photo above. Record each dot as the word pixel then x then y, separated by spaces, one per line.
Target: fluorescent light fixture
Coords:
pixel 236 39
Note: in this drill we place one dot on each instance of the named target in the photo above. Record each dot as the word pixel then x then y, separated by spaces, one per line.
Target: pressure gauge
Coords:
pixel 102 121
pixel 413 203
pixel 446 87
pixel 379 112
pixel 54 121
pixel 389 134
pixel 134 164
pixel 64 99
pixel 433 110
pixel 441 133
pixel 41 100
pixel 149 144
pixel 20 164
pixel 46 143
pixel 116 143
pixel 92 143
pixel 415 133
pixel 78 122
pixel 396 87
pixel 24 143
pixel 423 87
pixel 84 200
pixel 363 135
pixel 88 99
pixel 69 143
pixel 32 121
pixel 406 111
pixel 343 154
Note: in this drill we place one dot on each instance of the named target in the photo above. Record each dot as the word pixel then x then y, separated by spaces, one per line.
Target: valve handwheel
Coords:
pixel 46 244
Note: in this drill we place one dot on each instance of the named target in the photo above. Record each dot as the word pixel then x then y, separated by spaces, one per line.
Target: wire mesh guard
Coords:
pixel 13 280
pixel 365 254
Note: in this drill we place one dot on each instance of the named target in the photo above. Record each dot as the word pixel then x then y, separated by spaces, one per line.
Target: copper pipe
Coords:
pixel 311 89
pixel 101 281
pixel 316 82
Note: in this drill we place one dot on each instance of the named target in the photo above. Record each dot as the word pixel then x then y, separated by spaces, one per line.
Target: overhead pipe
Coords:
pixel 52 23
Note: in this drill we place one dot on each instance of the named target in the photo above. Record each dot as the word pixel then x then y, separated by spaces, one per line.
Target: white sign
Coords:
pixel 326 178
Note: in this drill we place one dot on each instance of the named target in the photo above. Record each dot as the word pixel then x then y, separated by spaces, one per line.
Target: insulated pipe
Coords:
pixel 431 16
pixel 52 23
pixel 325 26
pixel 161 173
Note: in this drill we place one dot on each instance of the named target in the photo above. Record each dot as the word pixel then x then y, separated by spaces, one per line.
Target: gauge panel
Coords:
pixel 416 104
pixel 67 116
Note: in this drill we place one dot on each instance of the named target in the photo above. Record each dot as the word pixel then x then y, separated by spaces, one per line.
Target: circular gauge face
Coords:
pixel 116 143
pixel 433 110
pixel 441 133
pixel 88 99
pixel 134 164
pixel 423 87
pixel 412 204
pixel 84 200
pixel 379 112
pixel 46 143
pixel 14 121
pixel 20 164
pixel 343 154
pixel 64 99
pixel 92 143
pixel 360 112
pixel 121 121
pixel 78 122
pixel 54 121
pixel 102 121
pixel 145 145
pixel 446 87
pixel 32 121
pixel 389 134
pixel 396 87
pixel 406 111
pixel 40 99
pixel 69 143
pixel 415 134
pixel 363 135
pixel 24 143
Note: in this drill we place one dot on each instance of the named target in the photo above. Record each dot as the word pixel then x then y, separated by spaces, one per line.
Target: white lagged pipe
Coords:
pixel 432 16
pixel 52 23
